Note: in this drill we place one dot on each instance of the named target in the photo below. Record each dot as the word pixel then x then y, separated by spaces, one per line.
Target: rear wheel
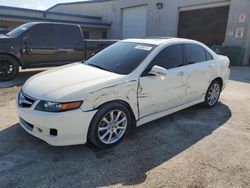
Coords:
pixel 109 125
pixel 213 94
pixel 9 68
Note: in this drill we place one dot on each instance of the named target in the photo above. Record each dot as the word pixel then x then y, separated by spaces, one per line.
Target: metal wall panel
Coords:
pixel 134 22
pixel 164 22
pixel 207 25
pixel 160 22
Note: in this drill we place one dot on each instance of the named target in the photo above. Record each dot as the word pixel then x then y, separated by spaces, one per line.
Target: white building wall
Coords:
pixel 47 15
pixel 239 7
pixel 104 9
pixel 11 18
pixel 164 22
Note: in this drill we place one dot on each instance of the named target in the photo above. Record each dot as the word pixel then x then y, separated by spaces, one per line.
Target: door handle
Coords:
pixel 180 73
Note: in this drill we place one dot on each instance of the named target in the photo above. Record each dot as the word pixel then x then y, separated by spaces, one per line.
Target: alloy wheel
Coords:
pixel 112 127
pixel 213 94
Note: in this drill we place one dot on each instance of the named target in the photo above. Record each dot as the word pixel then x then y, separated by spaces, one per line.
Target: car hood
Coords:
pixel 5 38
pixel 2 36
pixel 60 83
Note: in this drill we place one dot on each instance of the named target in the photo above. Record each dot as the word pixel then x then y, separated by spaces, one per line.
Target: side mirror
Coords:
pixel 158 71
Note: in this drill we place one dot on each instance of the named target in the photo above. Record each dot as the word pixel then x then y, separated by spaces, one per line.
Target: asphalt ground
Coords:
pixel 196 147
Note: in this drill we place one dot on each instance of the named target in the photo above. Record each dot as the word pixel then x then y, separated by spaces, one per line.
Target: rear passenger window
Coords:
pixel 67 35
pixel 170 57
pixel 195 53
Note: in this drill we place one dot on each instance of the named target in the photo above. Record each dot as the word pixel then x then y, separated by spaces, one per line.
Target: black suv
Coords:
pixel 40 45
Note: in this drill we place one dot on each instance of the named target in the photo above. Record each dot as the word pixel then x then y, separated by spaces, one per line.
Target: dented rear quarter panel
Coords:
pixel 223 68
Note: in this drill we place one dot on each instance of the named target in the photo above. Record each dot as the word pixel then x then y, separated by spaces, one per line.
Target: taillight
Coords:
pixel 229 66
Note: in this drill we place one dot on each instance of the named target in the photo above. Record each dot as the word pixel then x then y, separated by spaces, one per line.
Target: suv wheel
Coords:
pixel 109 125
pixel 9 68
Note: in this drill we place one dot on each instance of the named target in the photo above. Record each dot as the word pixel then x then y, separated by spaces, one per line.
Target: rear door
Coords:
pixel 69 43
pixel 199 69
pixel 39 45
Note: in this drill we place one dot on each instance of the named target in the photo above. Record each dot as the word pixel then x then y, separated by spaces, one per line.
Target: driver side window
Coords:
pixel 41 36
pixel 170 57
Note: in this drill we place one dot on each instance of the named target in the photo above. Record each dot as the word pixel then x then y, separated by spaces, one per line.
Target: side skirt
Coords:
pixel 158 115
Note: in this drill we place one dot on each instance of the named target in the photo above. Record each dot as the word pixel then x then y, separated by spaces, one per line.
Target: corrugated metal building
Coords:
pixel 11 17
pixel 214 22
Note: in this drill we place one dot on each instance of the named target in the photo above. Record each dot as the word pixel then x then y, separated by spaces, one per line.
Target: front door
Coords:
pixel 160 93
pixel 39 45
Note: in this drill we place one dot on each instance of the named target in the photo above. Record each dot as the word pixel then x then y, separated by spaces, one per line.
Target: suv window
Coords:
pixel 67 35
pixel 170 57
pixel 41 35
pixel 195 53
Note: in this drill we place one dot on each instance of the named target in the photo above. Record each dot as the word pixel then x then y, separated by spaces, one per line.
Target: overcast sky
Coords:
pixel 33 4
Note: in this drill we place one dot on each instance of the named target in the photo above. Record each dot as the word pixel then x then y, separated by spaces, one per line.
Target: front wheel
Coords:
pixel 213 94
pixel 109 125
pixel 9 68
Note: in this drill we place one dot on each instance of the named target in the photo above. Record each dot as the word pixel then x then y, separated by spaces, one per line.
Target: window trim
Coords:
pixel 143 74
pixel 207 52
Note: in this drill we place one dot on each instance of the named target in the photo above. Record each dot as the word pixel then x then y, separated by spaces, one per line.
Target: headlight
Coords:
pixel 46 106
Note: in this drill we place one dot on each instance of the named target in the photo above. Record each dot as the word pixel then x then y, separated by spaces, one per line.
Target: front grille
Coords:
pixel 25 101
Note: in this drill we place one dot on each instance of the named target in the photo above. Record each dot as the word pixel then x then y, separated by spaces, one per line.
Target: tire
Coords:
pixel 9 68
pixel 213 94
pixel 102 126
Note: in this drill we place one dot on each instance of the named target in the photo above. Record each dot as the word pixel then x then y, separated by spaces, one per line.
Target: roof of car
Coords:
pixel 158 41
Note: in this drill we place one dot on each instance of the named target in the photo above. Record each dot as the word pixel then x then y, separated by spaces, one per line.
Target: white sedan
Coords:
pixel 130 83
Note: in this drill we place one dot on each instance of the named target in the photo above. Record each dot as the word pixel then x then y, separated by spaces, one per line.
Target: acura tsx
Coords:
pixel 130 83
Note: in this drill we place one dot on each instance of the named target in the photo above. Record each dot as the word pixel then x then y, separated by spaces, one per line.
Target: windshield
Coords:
pixel 121 57
pixel 19 30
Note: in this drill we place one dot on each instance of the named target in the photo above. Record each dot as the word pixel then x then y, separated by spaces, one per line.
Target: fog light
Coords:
pixel 53 132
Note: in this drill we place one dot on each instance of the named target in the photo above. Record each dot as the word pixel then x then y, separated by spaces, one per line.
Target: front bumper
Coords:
pixel 71 127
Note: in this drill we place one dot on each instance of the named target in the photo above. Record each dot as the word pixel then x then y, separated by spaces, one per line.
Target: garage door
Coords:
pixel 206 25
pixel 134 22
